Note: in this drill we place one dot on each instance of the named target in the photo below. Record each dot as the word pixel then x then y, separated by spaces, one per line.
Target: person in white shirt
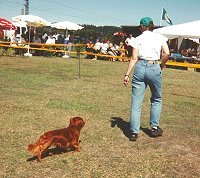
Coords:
pixel 198 51
pixel 147 49
pixel 97 48
pixel 128 43
pixel 44 38
pixel 13 38
pixel 105 47
pixel 51 40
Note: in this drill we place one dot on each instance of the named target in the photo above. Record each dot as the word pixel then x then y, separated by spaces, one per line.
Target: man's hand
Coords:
pixel 162 66
pixel 126 80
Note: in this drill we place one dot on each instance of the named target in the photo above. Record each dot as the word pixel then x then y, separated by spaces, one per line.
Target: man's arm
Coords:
pixel 165 54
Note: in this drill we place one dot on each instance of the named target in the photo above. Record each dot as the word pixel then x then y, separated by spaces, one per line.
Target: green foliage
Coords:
pixel 94 32
pixel 80 48
pixel 88 32
pixel 2 51
pixel 10 52
pixel 7 51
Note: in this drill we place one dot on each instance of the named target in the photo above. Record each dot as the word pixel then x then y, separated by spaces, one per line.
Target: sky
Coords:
pixel 105 12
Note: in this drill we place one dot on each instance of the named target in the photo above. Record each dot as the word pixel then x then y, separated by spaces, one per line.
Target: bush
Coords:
pixel 79 49
pixel 2 51
pixel 10 52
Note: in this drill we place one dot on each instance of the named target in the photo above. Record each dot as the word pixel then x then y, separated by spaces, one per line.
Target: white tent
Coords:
pixel 185 30
pixel 190 30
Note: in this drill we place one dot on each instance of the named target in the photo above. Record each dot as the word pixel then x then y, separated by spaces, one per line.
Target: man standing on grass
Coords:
pixel 147 49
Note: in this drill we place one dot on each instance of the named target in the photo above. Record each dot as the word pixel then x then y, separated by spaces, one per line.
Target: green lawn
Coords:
pixel 39 94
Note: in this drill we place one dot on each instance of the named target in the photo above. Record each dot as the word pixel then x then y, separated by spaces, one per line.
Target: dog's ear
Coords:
pixel 71 121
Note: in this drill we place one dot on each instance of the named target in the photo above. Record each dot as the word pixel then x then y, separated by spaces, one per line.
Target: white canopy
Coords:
pixel 66 25
pixel 20 24
pixel 31 20
pixel 185 30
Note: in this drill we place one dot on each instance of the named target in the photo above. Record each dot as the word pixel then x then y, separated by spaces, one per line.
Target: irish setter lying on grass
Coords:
pixel 66 138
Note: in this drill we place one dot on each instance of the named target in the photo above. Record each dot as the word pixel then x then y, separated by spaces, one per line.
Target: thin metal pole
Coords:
pixel 79 65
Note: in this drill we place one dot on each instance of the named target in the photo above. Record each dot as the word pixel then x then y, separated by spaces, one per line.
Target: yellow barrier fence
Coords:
pixel 62 48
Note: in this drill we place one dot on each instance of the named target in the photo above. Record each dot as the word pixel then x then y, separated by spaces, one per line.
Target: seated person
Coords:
pixel 122 51
pixel 51 40
pixel 113 50
pixel 89 48
pixel 36 39
pixel 105 47
pixel 97 48
pixel 13 40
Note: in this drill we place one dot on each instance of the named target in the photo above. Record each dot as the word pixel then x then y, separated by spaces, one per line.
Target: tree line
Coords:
pixel 92 32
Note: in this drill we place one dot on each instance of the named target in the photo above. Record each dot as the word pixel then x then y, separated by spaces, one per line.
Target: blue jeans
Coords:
pixel 151 75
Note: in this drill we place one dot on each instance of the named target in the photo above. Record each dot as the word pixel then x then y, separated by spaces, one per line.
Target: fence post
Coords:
pixel 79 64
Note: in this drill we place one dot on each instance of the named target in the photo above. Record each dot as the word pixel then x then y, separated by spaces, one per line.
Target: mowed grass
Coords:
pixel 39 94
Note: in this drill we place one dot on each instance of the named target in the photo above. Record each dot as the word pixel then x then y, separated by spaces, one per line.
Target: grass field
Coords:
pixel 40 94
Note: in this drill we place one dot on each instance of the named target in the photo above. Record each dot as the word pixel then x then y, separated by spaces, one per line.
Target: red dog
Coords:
pixel 66 138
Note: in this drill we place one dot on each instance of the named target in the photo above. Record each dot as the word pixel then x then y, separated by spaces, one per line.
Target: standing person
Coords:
pixel 147 49
pixel 198 51
pixel 70 43
pixel 128 43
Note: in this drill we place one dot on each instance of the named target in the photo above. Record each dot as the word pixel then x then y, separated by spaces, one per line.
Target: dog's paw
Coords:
pixel 77 147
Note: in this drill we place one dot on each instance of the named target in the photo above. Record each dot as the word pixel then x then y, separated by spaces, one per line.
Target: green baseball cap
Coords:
pixel 145 21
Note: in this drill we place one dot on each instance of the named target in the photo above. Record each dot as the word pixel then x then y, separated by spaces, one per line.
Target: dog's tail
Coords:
pixel 33 148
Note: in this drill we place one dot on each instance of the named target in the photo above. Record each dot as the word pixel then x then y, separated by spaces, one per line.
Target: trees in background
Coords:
pixel 91 32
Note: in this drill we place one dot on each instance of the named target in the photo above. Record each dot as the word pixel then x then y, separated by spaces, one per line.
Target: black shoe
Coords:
pixel 156 131
pixel 133 137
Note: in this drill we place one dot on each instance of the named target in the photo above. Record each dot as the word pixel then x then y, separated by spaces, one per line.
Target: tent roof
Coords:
pixel 185 30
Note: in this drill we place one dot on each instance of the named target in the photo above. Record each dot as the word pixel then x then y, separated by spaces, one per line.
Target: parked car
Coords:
pixel 178 57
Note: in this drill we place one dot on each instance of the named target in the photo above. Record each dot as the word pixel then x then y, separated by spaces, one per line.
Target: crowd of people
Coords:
pixel 99 49
pixel 96 49
pixel 117 52
pixel 29 38
pixel 34 37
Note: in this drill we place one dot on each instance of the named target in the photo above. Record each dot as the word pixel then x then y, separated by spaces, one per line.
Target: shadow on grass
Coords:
pixel 183 95
pixel 146 131
pixel 125 126
pixel 50 152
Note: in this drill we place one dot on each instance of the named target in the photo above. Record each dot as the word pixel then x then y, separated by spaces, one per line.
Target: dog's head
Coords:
pixel 77 122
